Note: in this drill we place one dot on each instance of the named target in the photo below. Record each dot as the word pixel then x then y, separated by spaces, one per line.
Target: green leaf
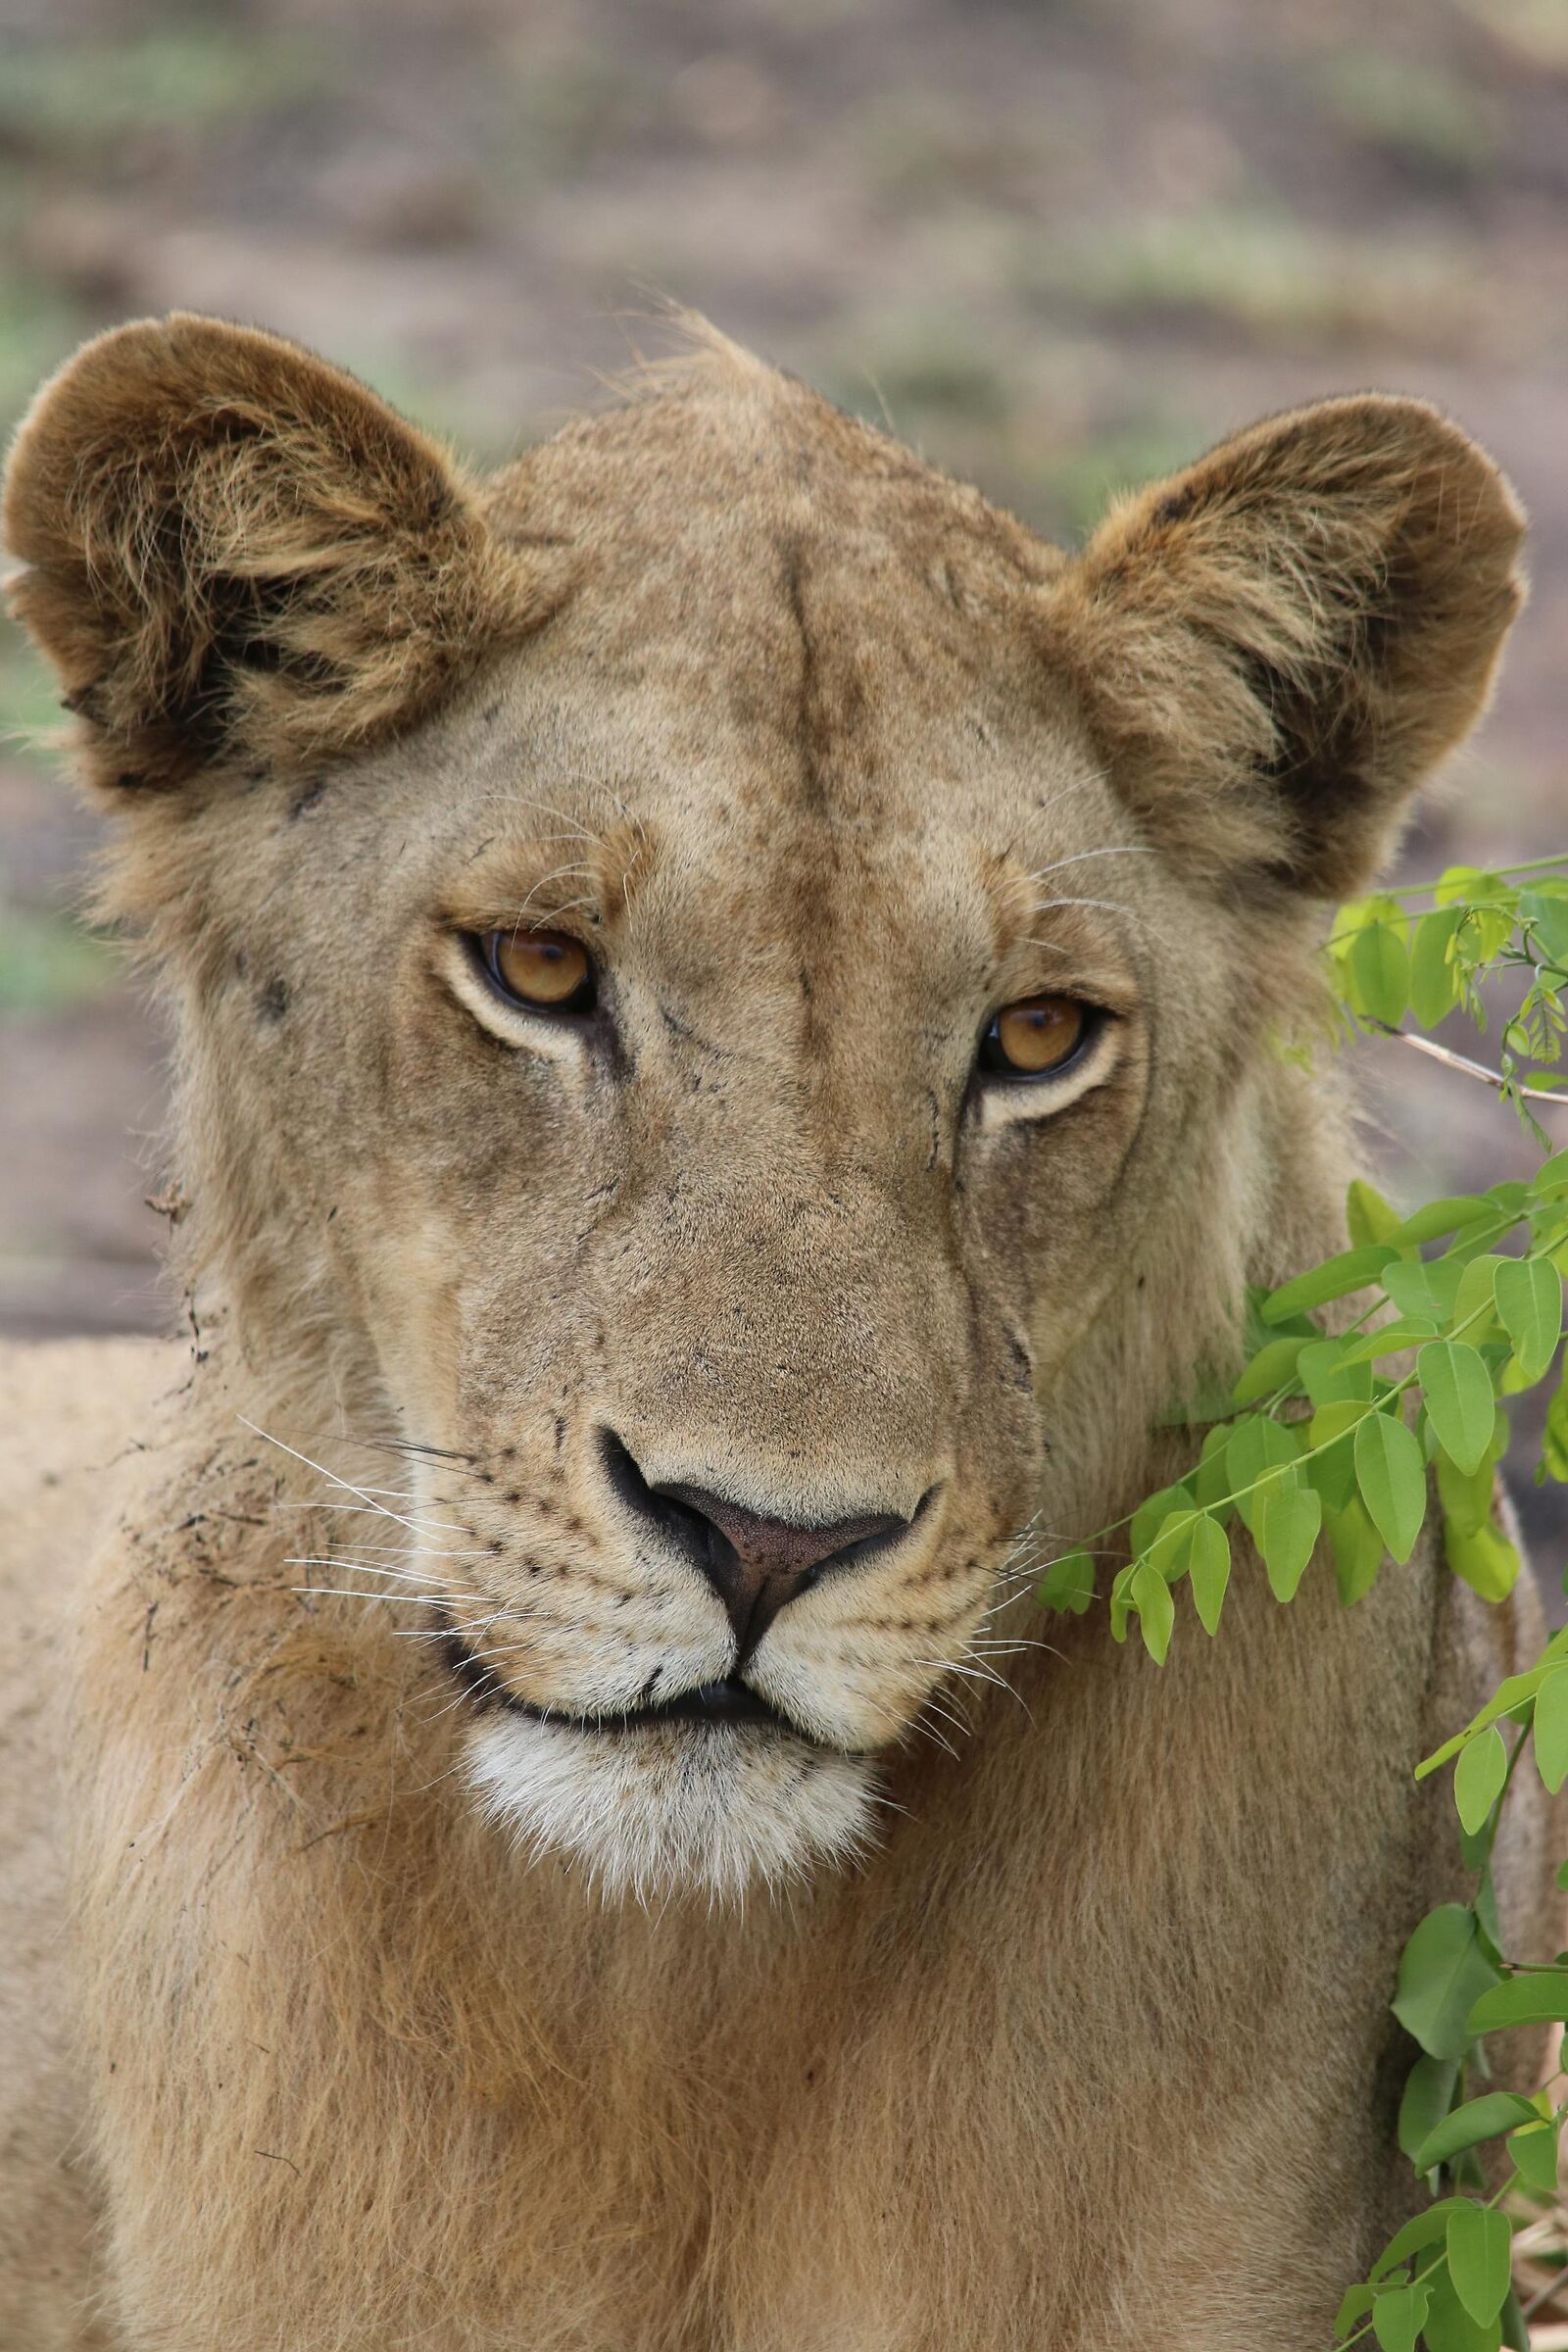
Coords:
pixel 1391 1339
pixel 1157 1611
pixel 1483 1559
pixel 1476 1294
pixel 1478 1777
pixel 1459 1403
pixel 1555 1437
pixel 1328 1378
pixel 1480 2256
pixel 1529 1295
pixel 1393 1479
pixel 1213 1484
pixel 1273 1367
pixel 1336 1278
pixel 1511 1693
pixel 1550 1729
pixel 1069 1584
pixel 1288 1527
pixel 1449 2326
pixel 1210 1568
pixel 1379 967
pixel 1548 911
pixel 1354 2306
pixel 1330 1441
pixel 1168 1551
pixel 1444 1973
pixel 1397 2316
pixel 1433 982
pixel 1533 2150
pixel 1468 1497
pixel 1423 1289
pixel 1367 1215
pixel 1478 2120
pixel 1152 1514
pixel 1447 1215
pixel 1458 884
pixel 1537 1997
pixel 1428 2097
pixel 1256 1447
pixel 1427 2228
pixel 1357 1550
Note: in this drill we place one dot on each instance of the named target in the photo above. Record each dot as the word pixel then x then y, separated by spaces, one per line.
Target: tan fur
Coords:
pixel 825 759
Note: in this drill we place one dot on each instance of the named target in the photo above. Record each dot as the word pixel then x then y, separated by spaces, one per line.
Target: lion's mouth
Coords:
pixel 730 1701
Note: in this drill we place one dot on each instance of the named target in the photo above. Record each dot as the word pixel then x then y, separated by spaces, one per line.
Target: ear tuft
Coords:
pixel 233 549
pixel 1275 646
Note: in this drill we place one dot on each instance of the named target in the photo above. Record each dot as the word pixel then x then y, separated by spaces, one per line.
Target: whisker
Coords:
pixel 558 874
pixel 373 1510
pixel 1120 849
pixel 322 1471
pixel 432 1600
pixel 419 1551
pixel 514 800
pixel 1109 905
pixel 399 1576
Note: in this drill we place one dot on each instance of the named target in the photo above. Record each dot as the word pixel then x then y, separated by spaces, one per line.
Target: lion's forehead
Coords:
pixel 780 572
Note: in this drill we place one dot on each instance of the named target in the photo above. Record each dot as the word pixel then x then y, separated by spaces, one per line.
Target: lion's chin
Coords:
pixel 710 1809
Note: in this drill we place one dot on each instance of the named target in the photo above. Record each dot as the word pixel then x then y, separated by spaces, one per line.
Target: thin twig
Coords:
pixel 1472 1069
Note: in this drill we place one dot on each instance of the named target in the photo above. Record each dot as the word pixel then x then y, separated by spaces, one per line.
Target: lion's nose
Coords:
pixel 756 1565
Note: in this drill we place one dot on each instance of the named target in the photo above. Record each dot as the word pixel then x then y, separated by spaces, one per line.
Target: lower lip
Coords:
pixel 725 1702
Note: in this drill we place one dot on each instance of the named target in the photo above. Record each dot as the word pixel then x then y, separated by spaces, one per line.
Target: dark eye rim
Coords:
pixel 484 948
pixel 994 1069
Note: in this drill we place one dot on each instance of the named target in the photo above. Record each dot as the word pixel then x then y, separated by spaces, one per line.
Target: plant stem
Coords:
pixel 1498 873
pixel 1472 1069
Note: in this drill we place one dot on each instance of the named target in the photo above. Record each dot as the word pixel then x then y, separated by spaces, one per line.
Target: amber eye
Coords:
pixel 1037 1038
pixel 546 970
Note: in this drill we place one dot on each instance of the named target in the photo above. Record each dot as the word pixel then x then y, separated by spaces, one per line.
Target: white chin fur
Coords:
pixel 705 1808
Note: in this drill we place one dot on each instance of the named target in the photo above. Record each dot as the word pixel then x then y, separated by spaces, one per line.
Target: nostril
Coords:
pixel 687 1528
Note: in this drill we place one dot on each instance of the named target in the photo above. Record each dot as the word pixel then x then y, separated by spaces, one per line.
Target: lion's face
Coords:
pixel 724 1303
pixel 602 907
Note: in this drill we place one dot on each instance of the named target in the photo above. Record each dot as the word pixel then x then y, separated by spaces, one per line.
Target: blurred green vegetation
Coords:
pixel 1421 111
pixel 48 961
pixel 184 75
pixel 1258 269
pixel 38 325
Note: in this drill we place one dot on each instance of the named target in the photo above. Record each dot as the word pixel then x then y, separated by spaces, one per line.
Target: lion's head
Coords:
pixel 708 962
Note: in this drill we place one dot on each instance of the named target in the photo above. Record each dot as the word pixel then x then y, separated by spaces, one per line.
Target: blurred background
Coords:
pixel 1058 244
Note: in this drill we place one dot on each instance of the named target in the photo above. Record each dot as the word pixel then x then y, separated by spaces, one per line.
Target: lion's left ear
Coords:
pixel 235 550
pixel 1276 645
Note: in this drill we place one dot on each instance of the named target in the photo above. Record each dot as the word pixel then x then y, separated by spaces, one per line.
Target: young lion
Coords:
pixel 726 1000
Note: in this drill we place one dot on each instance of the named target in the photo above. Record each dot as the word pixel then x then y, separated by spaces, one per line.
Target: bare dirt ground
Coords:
pixel 1060 246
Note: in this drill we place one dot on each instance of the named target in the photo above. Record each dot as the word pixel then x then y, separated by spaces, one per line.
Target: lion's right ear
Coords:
pixel 233 550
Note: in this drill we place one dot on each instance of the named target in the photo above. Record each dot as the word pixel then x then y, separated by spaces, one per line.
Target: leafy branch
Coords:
pixel 1314 1447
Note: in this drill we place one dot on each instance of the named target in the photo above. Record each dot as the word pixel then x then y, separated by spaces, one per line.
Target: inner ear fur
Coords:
pixel 233 550
pixel 1275 646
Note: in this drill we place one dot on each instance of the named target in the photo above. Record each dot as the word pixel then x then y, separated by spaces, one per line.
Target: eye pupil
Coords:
pixel 546 970
pixel 1033 1038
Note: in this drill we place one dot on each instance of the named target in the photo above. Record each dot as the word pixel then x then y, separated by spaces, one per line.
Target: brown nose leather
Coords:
pixel 757 1565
